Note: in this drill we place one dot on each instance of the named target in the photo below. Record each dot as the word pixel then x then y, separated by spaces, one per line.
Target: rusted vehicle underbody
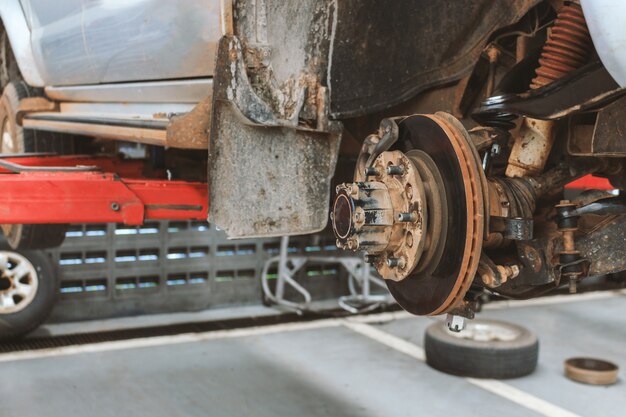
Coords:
pixel 452 204
pixel 464 120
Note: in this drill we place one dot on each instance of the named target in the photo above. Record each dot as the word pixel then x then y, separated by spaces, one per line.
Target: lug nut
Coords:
pixel 371 172
pixel 455 323
pixel 407 217
pixel 396 262
pixel 395 170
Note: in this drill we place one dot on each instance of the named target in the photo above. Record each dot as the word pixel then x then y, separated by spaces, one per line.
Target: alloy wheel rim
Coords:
pixel 488 332
pixel 19 282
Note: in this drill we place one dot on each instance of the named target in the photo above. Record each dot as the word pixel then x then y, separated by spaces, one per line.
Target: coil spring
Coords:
pixel 567 48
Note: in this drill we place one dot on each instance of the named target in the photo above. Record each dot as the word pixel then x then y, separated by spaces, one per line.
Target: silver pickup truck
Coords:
pixel 460 124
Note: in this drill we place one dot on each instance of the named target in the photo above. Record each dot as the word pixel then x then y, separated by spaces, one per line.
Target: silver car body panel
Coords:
pixel 178 91
pixel 133 111
pixel 104 41
pixel 77 42
pixel 17 28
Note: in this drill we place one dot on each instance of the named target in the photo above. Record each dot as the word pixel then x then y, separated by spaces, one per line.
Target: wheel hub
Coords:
pixel 418 213
pixel 18 282
pixel 6 283
pixel 385 216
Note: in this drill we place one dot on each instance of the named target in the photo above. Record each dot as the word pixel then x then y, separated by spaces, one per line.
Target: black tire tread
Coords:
pixel 470 359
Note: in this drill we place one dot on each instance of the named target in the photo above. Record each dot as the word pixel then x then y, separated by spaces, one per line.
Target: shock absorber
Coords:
pixel 567 48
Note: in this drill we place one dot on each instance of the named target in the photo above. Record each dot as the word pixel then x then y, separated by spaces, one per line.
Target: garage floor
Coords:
pixel 366 366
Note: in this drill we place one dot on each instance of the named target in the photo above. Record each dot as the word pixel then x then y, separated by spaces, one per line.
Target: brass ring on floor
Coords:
pixel 591 371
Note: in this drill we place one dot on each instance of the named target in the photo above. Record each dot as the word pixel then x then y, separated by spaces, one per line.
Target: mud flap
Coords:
pixel 269 175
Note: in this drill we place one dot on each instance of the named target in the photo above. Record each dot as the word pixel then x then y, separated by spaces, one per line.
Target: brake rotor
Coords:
pixel 434 157
pixel 443 284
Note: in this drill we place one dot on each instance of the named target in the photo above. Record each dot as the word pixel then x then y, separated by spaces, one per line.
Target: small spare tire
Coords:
pixel 485 349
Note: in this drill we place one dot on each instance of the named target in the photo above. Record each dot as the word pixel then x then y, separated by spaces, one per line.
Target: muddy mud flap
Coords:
pixel 269 173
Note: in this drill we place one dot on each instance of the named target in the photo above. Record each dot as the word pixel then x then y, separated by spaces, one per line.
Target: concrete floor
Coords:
pixel 368 367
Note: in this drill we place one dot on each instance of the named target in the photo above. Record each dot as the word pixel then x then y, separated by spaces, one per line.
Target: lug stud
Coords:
pixel 370 259
pixel 407 217
pixel 395 170
pixel 396 263
pixel 371 172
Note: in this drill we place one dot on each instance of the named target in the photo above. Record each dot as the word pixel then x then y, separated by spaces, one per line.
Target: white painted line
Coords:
pixel 554 299
pixel 382 317
pixel 167 340
pixel 387 339
pixel 499 388
pixel 352 322
pixel 60 329
pixel 522 398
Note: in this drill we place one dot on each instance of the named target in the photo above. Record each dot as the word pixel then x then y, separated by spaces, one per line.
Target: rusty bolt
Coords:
pixel 395 170
pixel 488 279
pixel 507 272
